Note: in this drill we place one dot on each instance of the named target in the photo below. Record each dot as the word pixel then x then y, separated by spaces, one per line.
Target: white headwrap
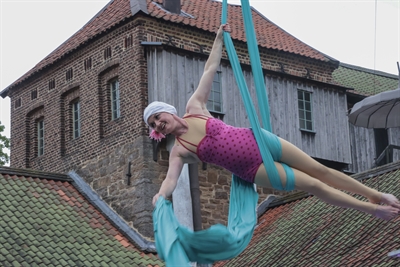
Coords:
pixel 155 107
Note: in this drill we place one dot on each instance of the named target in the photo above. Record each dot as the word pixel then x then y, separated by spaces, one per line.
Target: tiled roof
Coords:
pixel 113 13
pixel 364 81
pixel 201 14
pixel 46 221
pixel 308 232
pixel 206 15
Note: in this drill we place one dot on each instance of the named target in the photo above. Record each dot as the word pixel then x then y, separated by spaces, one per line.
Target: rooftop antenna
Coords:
pixel 398 69
pixel 376 11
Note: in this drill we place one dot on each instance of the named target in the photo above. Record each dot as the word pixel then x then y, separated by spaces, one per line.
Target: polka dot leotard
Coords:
pixel 232 148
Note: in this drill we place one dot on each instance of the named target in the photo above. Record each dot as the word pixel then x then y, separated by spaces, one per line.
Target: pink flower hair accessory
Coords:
pixel 156 135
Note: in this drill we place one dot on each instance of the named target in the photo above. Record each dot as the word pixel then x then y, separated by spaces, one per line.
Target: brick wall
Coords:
pixel 105 147
pixel 272 60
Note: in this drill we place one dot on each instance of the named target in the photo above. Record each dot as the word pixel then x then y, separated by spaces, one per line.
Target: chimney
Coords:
pixel 173 6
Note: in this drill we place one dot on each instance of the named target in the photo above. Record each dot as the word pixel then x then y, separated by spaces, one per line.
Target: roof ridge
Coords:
pixel 35 174
pixel 119 223
pixel 377 171
pixel 371 71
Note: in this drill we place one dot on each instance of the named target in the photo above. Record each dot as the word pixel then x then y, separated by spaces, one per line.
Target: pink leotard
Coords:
pixel 232 148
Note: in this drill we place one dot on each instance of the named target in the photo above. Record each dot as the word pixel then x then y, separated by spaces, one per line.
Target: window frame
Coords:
pixel 303 111
pixel 40 137
pixel 18 103
pixel 216 89
pixel 69 75
pixel 115 99
pixel 76 119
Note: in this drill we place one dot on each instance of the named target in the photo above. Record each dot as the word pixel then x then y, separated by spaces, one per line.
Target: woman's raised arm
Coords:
pixel 197 103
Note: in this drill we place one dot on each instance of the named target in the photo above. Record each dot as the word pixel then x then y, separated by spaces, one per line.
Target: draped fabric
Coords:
pixel 178 245
pixel 260 91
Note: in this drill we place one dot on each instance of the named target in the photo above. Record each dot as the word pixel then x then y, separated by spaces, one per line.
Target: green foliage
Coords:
pixel 4 144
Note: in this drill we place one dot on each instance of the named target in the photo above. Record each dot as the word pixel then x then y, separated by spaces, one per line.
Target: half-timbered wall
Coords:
pixel 172 78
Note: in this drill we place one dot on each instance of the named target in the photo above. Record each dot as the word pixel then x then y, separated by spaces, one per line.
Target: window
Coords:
pixel 381 144
pixel 69 74
pixel 17 103
pixel 52 84
pixel 40 137
pixel 214 103
pixel 305 111
pixel 115 100
pixel 128 41
pixel 107 53
pixel 34 94
pixel 87 63
pixel 76 120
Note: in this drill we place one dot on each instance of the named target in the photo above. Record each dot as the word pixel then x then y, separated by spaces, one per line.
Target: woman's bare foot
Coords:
pixel 386 212
pixel 390 200
pixel 387 199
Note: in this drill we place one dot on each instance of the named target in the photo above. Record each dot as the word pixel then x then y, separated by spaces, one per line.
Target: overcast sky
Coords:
pixel 364 33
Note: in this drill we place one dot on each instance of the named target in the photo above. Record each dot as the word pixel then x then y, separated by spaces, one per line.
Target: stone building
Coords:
pixel 81 107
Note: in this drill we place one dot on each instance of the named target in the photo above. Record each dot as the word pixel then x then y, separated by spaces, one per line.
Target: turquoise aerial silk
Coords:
pixel 262 97
pixel 178 245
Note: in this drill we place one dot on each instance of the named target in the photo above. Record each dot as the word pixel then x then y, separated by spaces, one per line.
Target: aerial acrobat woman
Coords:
pixel 200 137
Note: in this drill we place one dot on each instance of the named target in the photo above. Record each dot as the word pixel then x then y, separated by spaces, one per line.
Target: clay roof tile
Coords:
pixel 203 14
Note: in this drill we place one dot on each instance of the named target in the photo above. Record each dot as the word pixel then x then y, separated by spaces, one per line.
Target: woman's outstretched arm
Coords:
pixel 197 103
pixel 178 157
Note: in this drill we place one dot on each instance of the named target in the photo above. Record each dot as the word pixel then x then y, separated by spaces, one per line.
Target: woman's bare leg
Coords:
pixel 328 194
pixel 294 157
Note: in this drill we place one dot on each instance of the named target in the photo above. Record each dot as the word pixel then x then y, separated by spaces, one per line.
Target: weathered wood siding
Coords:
pixel 331 139
pixel 173 78
pixel 363 150
pixel 394 139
